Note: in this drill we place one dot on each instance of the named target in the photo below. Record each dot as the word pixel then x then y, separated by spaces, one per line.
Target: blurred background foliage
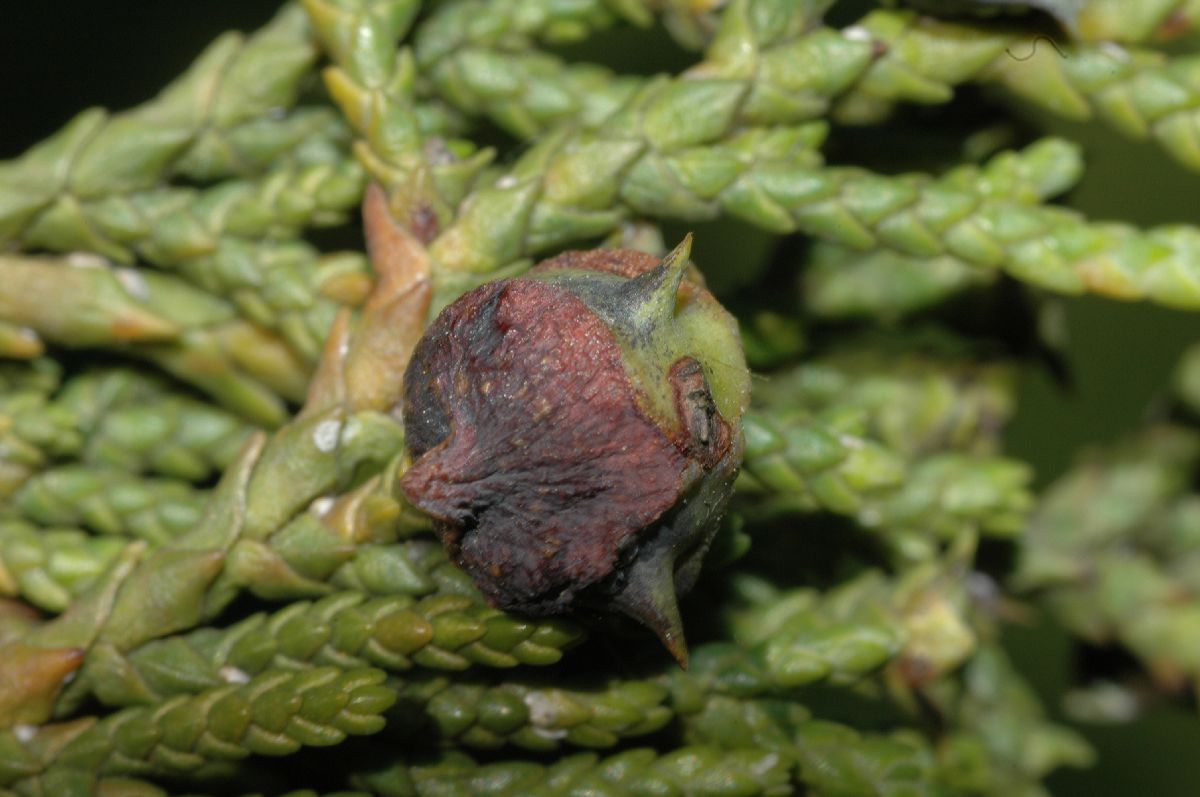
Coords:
pixel 1112 363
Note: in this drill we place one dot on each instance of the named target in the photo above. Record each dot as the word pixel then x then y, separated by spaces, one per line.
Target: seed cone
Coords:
pixel 576 432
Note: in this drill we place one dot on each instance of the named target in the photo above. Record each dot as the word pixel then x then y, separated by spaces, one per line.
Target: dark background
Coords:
pixel 60 57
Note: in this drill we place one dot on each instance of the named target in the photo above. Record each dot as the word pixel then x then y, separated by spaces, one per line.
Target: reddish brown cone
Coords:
pixel 576 434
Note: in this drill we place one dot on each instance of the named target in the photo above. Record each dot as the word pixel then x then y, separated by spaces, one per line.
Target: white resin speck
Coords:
pixel 857 33
pixel 232 675
pixel 325 436
pixel 133 282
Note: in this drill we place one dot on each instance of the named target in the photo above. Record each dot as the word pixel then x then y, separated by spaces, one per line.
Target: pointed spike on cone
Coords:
pixel 649 597
pixel 659 287
pixel 677 258
pixel 676 645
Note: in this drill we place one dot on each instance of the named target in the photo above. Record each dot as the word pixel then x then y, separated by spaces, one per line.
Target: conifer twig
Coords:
pixel 216 119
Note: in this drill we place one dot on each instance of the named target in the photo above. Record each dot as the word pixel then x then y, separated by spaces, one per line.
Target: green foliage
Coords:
pixel 205 559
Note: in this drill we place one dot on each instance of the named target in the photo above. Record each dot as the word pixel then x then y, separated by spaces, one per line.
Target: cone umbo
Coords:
pixel 576 433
